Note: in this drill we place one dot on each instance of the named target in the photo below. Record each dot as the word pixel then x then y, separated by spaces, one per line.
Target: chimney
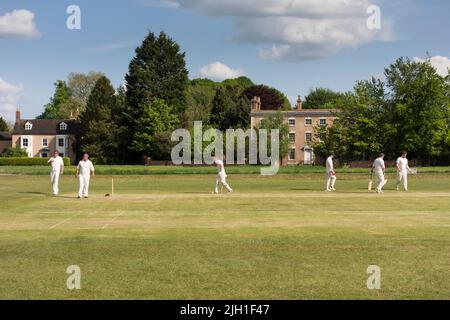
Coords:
pixel 17 115
pixel 256 104
pixel 299 105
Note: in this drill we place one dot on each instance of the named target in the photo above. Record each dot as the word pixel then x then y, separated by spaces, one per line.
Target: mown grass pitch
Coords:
pixel 281 237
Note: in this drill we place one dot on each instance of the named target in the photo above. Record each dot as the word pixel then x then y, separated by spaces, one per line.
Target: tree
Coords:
pixel 199 101
pixel 80 86
pixel 322 98
pixel 271 98
pixel 3 125
pixel 419 106
pixel 15 152
pixel 154 129
pixel 231 109
pixel 158 71
pixel 99 131
pixel 276 121
pixel 52 110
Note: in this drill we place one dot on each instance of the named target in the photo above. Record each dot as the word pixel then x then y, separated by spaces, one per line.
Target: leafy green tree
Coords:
pixel 271 98
pixel 3 125
pixel 157 71
pixel 277 121
pixel 154 128
pixel 199 97
pixel 322 98
pixel 242 83
pixel 231 109
pixel 99 131
pixel 419 106
pixel 62 94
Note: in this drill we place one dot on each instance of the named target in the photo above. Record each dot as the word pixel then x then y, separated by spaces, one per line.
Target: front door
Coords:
pixel 308 156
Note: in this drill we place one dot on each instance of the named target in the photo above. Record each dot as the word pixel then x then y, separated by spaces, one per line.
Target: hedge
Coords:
pixel 28 161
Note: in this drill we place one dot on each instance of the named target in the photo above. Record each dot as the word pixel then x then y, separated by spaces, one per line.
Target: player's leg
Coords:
pixel 405 181
pixel 333 183
pixel 223 180
pixel 81 189
pixel 216 189
pixel 328 184
pixel 86 186
pixel 56 183
pixel 399 180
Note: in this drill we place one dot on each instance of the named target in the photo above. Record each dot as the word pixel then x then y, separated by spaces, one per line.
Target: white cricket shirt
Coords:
pixel 56 163
pixel 85 167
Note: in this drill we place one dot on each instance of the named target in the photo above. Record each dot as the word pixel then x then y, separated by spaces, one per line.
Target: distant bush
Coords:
pixel 15 152
pixel 25 161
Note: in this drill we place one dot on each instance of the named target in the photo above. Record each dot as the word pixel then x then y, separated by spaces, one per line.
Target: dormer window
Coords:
pixel 63 126
pixel 28 126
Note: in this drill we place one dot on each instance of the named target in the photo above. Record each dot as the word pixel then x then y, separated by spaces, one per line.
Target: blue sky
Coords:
pixel 294 47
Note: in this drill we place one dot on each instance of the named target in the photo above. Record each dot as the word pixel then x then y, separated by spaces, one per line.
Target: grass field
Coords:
pixel 168 237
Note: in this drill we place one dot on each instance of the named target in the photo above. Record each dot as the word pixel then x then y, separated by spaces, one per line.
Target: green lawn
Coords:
pixel 167 237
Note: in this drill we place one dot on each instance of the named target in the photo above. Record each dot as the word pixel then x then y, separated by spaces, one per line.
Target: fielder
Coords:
pixel 84 170
pixel 402 171
pixel 221 176
pixel 379 169
pixel 331 174
pixel 57 164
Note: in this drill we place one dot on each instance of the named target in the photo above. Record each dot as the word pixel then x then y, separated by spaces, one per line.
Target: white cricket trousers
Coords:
pixel 54 178
pixel 402 176
pixel 331 181
pixel 222 178
pixel 84 185
pixel 380 180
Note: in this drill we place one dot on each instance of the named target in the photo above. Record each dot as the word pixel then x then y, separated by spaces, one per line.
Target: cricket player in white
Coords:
pixel 331 174
pixel 57 164
pixel 221 176
pixel 402 171
pixel 379 169
pixel 84 170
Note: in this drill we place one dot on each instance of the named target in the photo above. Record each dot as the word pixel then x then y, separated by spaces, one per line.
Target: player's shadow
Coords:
pixel 46 194
pixel 194 192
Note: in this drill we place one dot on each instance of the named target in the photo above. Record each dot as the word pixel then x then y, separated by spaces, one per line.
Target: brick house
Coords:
pixel 5 141
pixel 41 137
pixel 302 129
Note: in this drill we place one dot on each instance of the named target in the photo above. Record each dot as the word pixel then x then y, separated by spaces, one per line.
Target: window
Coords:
pixel 60 142
pixel 292 154
pixel 44 154
pixel 63 126
pixel 308 121
pixel 323 122
pixel 28 126
pixel 25 142
pixel 291 122
pixel 45 142
pixel 308 137
pixel 292 137
pixel 61 155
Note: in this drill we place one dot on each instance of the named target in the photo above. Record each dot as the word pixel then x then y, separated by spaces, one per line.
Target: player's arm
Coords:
pixel 92 170
pixel 78 171
pixel 62 167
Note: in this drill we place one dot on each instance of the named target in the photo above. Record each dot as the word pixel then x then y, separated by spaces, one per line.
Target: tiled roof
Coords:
pixel 5 136
pixel 299 113
pixel 44 126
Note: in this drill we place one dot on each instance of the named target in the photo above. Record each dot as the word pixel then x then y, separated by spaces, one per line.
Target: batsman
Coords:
pixel 221 177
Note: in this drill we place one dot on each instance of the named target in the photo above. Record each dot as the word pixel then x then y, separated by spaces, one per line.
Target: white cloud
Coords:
pixel 110 47
pixel 9 98
pixel 18 23
pixel 295 29
pixel 219 71
pixel 440 63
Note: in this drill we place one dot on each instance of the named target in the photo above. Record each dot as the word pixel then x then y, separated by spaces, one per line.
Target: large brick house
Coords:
pixel 302 129
pixel 42 137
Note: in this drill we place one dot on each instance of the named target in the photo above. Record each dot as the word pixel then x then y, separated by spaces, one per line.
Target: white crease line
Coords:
pixel 64 221
pixel 114 219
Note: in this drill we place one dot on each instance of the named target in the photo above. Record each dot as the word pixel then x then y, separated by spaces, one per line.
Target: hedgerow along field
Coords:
pixel 165 236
